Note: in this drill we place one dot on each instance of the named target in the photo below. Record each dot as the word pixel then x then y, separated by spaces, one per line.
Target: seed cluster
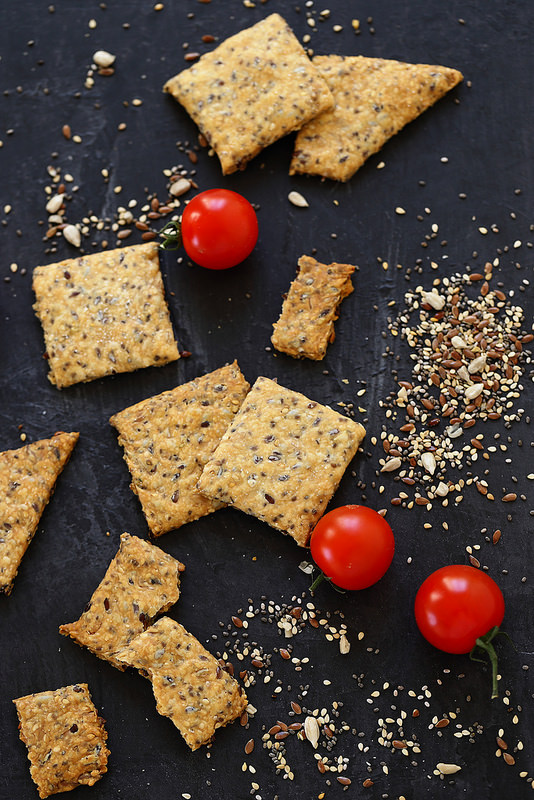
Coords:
pixel 300 735
pixel 127 218
pixel 293 738
pixel 469 356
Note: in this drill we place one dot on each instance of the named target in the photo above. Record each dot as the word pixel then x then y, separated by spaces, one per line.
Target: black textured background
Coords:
pixel 484 129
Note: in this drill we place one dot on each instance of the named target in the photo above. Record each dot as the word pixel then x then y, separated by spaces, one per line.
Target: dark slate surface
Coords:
pixel 484 129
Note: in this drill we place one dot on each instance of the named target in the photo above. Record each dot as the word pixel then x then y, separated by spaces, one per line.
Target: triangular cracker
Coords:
pixel 375 98
pixel 27 479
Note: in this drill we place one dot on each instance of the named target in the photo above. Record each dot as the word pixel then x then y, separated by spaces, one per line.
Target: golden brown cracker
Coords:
pixel 167 440
pixel 282 458
pixel 104 313
pixel 374 99
pixel 141 582
pixel 254 88
pixel 189 684
pixel 306 324
pixel 27 479
pixel 65 737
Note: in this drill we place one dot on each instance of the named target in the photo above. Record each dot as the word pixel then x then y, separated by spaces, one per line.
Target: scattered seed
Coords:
pixel 448 769
pixel 72 235
pixel 297 199
pixel 103 59
pixel 311 729
pixel 179 187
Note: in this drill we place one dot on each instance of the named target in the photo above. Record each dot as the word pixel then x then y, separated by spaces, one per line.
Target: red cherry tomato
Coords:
pixel 219 229
pixel 353 546
pixel 456 605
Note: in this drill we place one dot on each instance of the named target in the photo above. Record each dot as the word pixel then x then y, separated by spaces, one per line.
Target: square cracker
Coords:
pixel 282 458
pixel 141 582
pixel 374 99
pixel 189 684
pixel 104 313
pixel 65 737
pixel 306 324
pixel 168 439
pixel 254 88
pixel 27 479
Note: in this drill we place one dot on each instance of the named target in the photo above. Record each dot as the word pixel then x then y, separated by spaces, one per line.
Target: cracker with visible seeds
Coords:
pixel 27 479
pixel 190 686
pixel 306 324
pixel 141 582
pixel 65 737
pixel 104 313
pixel 254 88
pixel 167 440
pixel 374 99
pixel 282 458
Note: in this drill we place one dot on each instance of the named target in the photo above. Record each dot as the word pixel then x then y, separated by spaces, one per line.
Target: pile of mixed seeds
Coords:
pixel 468 351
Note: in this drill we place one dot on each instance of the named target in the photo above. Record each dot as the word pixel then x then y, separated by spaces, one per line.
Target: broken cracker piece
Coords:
pixel 167 440
pixel 374 99
pixel 65 737
pixel 251 90
pixel 282 458
pixel 27 480
pixel 189 684
pixel 104 313
pixel 141 582
pixel 306 324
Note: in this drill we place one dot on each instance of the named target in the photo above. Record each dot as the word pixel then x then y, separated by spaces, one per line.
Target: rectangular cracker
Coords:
pixel 254 88
pixel 65 737
pixel 167 440
pixel 27 479
pixel 104 313
pixel 282 458
pixel 190 686
pixel 141 582
pixel 306 325
pixel 374 99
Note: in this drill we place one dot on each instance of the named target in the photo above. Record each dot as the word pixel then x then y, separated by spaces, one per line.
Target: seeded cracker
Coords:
pixel 141 582
pixel 254 88
pixel 27 479
pixel 306 324
pixel 168 439
pixel 375 98
pixel 65 737
pixel 189 685
pixel 282 458
pixel 104 313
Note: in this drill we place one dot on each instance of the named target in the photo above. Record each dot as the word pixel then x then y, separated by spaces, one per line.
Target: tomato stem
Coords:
pixel 172 235
pixel 322 577
pixel 484 643
pixel 317 581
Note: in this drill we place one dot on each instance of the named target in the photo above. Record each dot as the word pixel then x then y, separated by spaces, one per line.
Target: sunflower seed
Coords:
pixel 448 769
pixel 433 299
pixel 429 462
pixel 297 199
pixel 72 235
pixel 391 465
pixel 311 729
pixel 103 59
pixel 179 187
pixel 55 203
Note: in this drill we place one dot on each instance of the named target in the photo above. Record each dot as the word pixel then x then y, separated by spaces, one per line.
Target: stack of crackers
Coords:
pixel 260 85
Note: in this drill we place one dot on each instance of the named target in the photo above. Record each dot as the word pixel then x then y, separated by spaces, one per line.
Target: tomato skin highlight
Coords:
pixel 219 228
pixel 456 605
pixel 353 546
